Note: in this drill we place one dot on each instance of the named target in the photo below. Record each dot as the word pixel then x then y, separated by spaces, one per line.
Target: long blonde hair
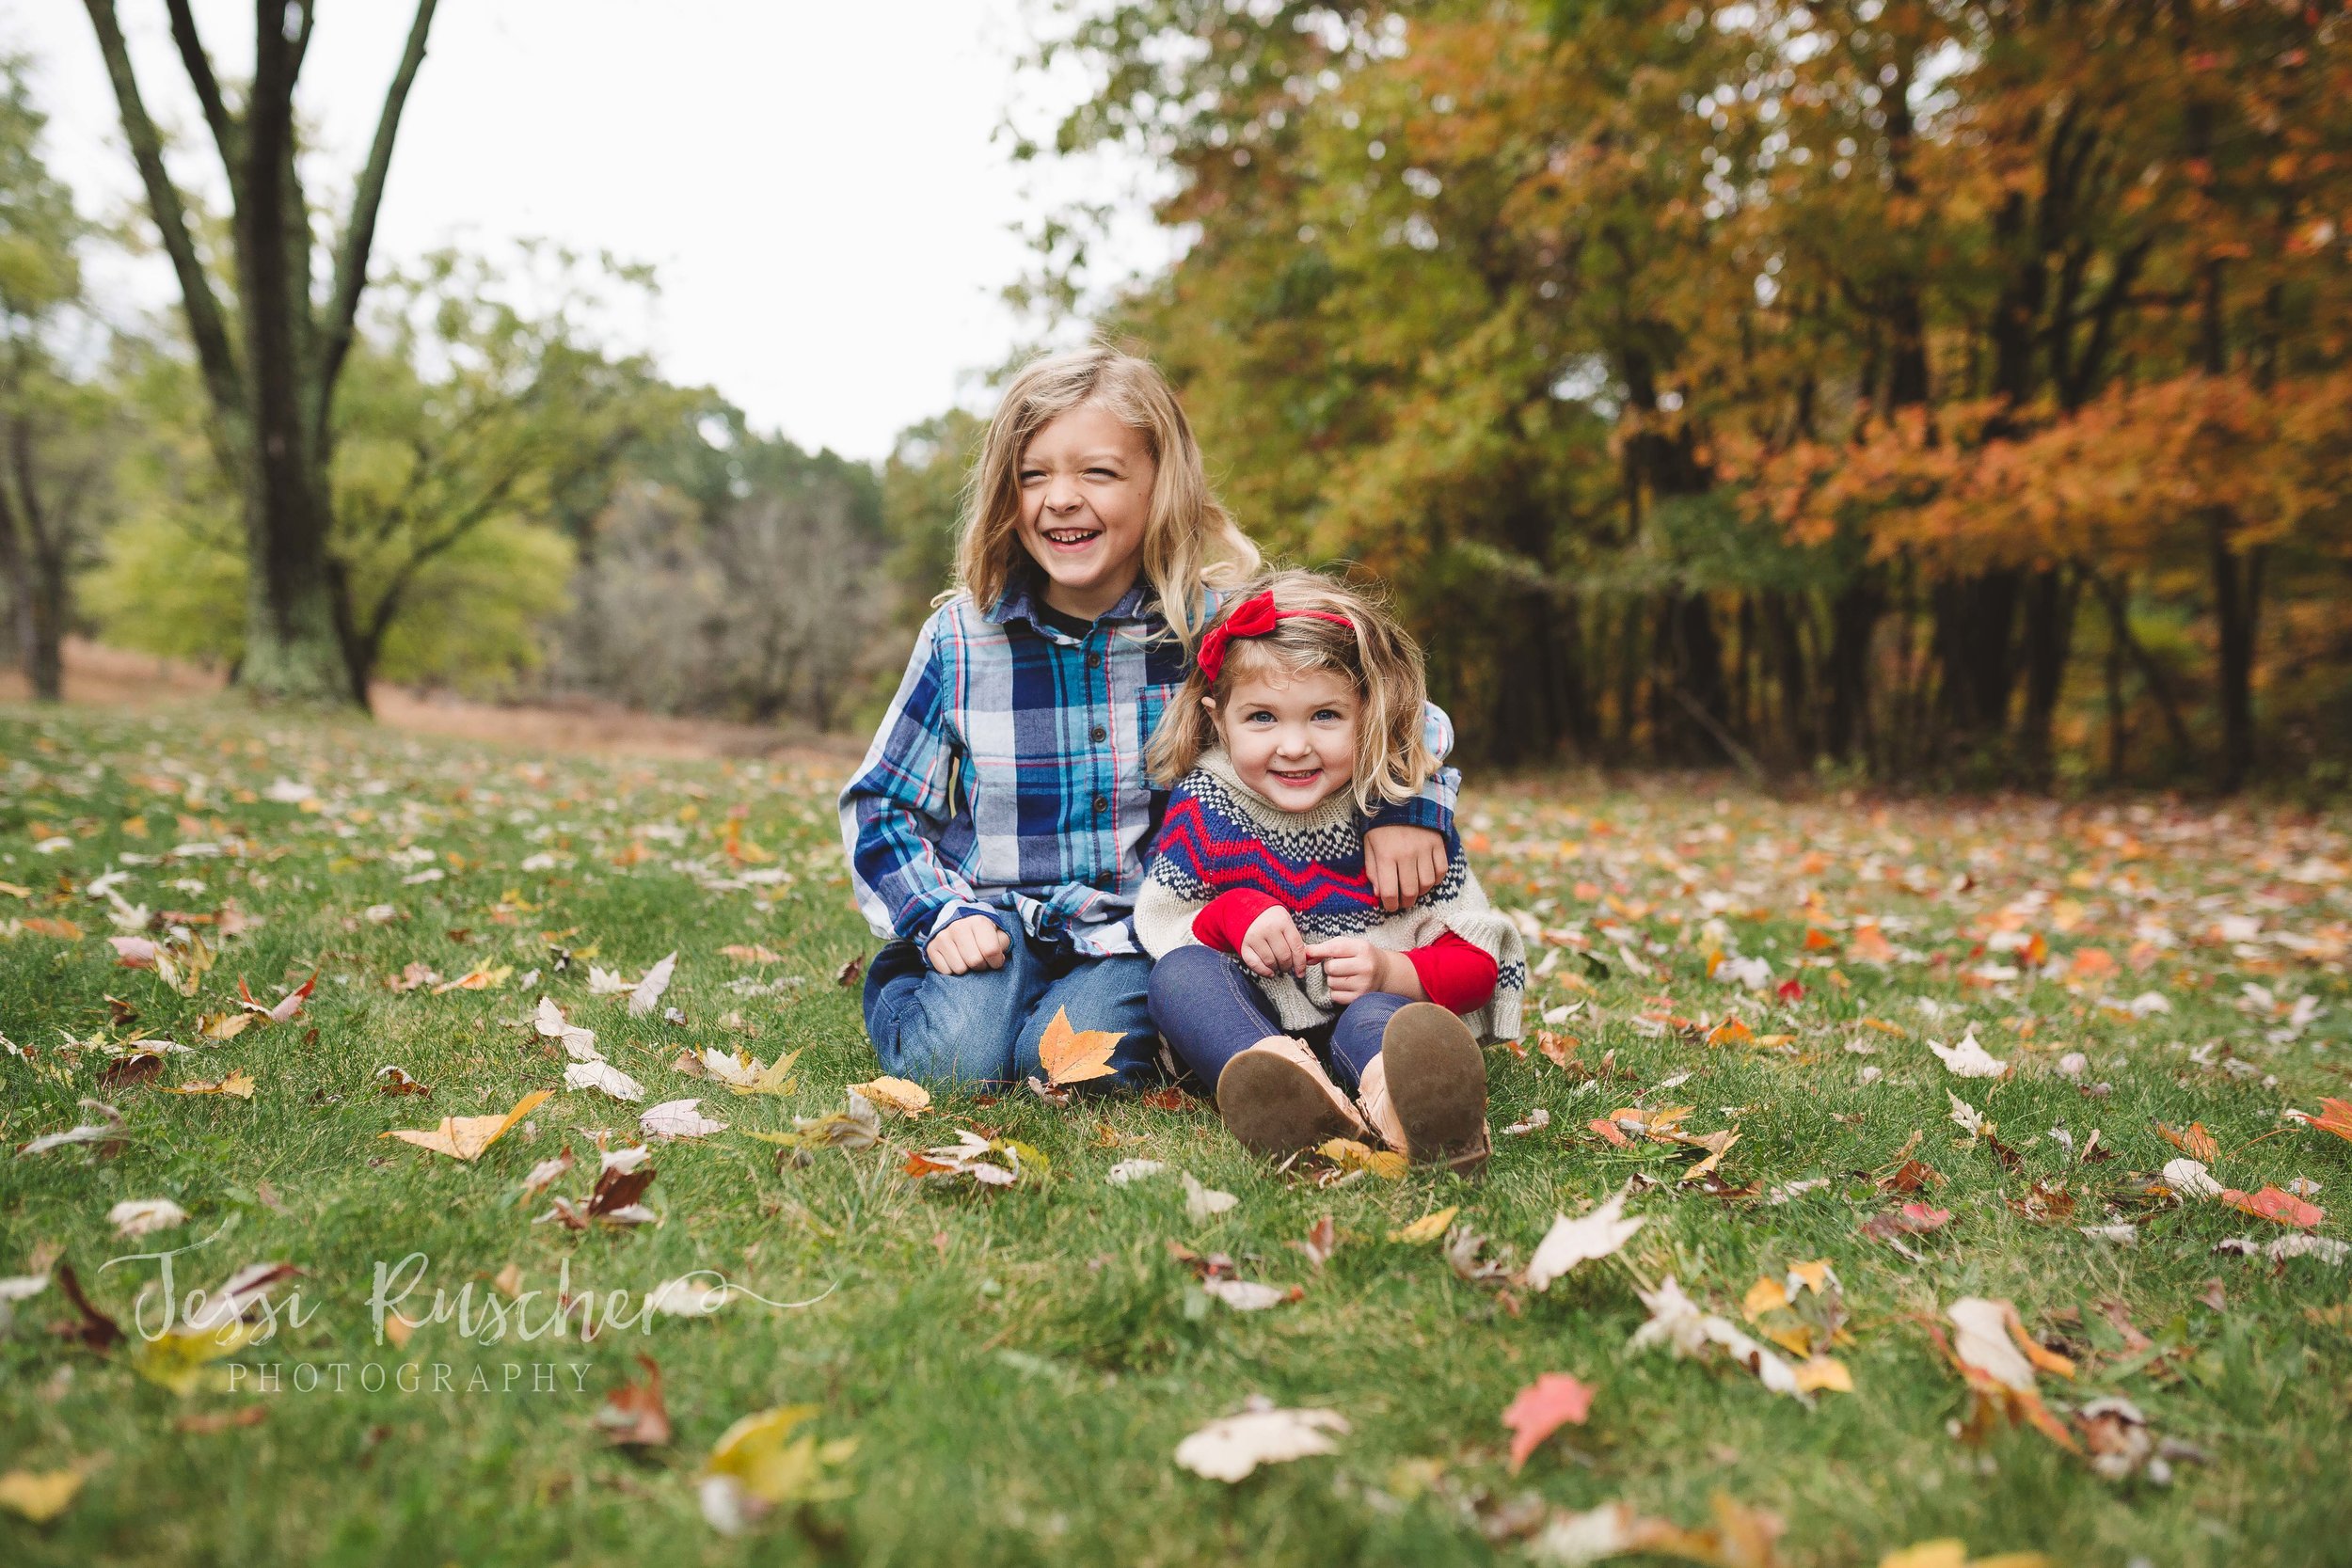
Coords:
pixel 1189 541
pixel 1369 650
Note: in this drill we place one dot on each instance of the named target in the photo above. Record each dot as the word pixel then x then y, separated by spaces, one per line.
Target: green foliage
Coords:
pixel 923 485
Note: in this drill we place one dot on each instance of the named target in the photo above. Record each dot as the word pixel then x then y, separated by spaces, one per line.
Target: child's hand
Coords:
pixel 1355 968
pixel 975 941
pixel 1272 945
pixel 1404 863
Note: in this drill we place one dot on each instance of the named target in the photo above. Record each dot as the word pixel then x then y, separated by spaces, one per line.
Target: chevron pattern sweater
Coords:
pixel 1219 835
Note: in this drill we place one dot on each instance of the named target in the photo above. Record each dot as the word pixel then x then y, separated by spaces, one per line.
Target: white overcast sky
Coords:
pixel 815 181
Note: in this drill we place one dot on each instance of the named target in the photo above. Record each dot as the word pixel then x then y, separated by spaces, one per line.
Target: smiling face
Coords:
pixel 1086 494
pixel 1292 735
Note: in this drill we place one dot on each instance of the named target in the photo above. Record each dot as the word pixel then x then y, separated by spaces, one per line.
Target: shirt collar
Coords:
pixel 1022 597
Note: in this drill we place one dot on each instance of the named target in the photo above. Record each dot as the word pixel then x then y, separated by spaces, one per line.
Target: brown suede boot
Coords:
pixel 1276 1099
pixel 1425 1093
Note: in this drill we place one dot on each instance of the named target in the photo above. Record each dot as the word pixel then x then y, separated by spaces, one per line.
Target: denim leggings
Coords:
pixel 1209 1008
pixel 983 1027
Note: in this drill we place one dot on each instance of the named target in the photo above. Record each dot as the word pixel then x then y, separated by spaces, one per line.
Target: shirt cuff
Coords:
pixel 1455 974
pixel 1228 917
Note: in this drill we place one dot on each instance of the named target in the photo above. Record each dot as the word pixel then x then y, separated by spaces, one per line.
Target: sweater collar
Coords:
pixel 1333 810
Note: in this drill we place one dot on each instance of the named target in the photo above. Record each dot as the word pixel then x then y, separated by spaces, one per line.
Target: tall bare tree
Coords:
pixel 271 356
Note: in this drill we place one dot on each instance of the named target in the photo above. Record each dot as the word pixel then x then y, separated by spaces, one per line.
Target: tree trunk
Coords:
pixel 2237 603
pixel 2050 598
pixel 1853 623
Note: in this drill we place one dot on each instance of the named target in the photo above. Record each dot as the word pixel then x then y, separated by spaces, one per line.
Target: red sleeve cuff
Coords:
pixel 1229 916
pixel 1455 975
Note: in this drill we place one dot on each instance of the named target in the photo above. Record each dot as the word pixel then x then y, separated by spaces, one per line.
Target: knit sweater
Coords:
pixel 1219 837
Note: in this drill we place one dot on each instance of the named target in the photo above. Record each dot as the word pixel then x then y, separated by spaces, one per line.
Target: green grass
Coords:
pixel 1019 1365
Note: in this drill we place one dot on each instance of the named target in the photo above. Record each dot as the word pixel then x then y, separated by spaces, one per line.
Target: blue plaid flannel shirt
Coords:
pixel 1009 775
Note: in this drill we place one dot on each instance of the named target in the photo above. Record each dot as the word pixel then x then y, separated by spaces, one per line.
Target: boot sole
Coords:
pixel 1437 1083
pixel 1274 1108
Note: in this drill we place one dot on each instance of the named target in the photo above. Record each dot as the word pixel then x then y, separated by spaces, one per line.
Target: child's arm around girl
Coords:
pixel 1275 956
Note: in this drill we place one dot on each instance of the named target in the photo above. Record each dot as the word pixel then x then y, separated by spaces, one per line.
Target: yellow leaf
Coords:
pixel 177 1361
pixel 1073 1055
pixel 756 1451
pixel 1765 1295
pixel 1821 1372
pixel 465 1137
pixel 481 978
pixel 40 1496
pixel 1426 1228
pixel 1928 1554
pixel 776 1078
pixel 895 1094
pixel 1815 1274
pixel 1348 1154
pixel 64 930
pixel 750 953
pixel 224 1027
pixel 237 1083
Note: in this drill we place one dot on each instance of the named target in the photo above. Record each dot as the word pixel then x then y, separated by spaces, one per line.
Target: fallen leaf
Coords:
pixel 465 1137
pixel 1230 1449
pixel 90 1328
pixel 1429 1228
pixel 604 1076
pixel 1969 1059
pixel 757 1465
pixel 1348 1154
pixel 1075 1055
pixel 2272 1204
pixel 1127 1171
pixel 1569 1242
pixel 895 1094
pixel 752 953
pixel 40 1496
pixel 634 1414
pixel 1246 1296
pixel 1323 1239
pixel 678 1119
pixel 205 1422
pixel 2190 1178
pixel 1542 1407
pixel 1676 1319
pixel 1203 1202
pixel 138 1216
pixel 2195 1141
pixel 237 1084
pixel 395 1081
pixel 647 994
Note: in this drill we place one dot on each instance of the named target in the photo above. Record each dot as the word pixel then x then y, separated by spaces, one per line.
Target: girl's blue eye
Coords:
pixel 1331 713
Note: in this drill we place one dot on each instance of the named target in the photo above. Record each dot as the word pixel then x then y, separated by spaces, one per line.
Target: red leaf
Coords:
pixel 1542 1407
pixel 2272 1204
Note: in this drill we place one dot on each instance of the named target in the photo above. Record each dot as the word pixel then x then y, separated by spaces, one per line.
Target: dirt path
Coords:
pixel 100 676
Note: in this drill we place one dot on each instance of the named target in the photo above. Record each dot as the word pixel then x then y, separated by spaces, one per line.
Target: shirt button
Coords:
pixel 1094 661
pixel 1102 804
pixel 1101 734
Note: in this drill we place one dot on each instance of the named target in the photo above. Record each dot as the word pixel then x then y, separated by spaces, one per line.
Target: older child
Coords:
pixel 1300 722
pixel 997 826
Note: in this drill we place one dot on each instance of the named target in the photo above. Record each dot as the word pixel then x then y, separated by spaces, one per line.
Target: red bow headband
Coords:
pixel 1253 617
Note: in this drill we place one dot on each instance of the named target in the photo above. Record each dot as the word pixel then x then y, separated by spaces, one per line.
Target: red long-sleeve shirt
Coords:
pixel 1454 974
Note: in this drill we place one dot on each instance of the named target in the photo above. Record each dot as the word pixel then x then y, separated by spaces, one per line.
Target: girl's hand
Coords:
pixel 975 941
pixel 1404 863
pixel 1272 945
pixel 1355 968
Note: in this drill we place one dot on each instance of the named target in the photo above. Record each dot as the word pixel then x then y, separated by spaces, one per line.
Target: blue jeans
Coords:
pixel 1210 1008
pixel 983 1027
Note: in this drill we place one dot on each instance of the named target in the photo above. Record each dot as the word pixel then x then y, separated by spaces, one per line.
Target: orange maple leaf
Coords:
pixel 2335 1116
pixel 1073 1055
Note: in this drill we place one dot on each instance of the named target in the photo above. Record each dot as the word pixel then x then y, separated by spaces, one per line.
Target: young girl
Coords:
pixel 1301 718
pixel 997 826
